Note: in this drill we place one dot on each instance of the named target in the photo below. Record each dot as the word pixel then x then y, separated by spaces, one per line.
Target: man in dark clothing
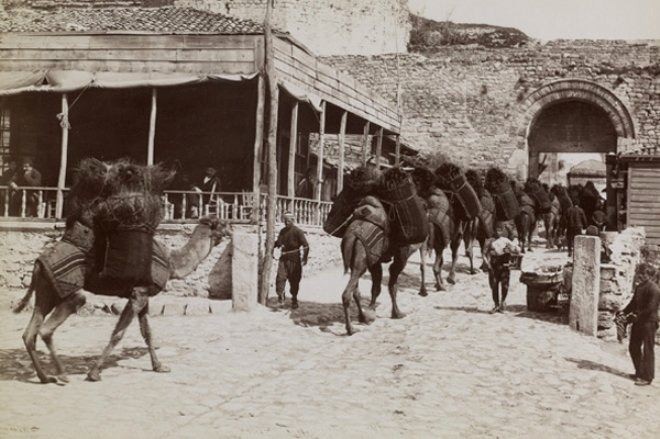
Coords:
pixel 644 310
pixel 291 239
pixel 498 257
pixel 576 221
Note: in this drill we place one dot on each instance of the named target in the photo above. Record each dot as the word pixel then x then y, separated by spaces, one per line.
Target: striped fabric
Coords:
pixel 374 240
pixel 64 264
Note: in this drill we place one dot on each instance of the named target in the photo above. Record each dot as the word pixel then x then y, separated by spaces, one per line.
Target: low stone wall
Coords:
pixel 616 276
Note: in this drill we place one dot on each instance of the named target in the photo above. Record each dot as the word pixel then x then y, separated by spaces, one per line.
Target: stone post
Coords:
pixel 245 269
pixel 583 314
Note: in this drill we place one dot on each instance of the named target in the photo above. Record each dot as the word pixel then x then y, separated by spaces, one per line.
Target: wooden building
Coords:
pixel 179 86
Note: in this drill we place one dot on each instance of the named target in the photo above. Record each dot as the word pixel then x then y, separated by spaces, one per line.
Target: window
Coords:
pixel 5 125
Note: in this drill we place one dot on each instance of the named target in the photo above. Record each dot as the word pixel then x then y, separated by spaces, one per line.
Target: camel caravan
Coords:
pixel 108 246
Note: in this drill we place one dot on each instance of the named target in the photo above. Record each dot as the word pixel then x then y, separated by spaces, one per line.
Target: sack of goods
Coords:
pixel 361 182
pixel 126 220
pixel 506 204
pixel 408 218
pixel 535 190
pixel 526 204
pixel 371 210
pixel 451 178
pixel 564 199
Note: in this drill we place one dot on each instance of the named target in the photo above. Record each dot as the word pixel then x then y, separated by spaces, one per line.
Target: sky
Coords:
pixel 553 19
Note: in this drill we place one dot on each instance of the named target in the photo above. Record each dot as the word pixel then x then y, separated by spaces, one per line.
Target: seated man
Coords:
pixel 499 256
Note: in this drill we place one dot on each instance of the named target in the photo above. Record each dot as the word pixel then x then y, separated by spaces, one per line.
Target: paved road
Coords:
pixel 448 369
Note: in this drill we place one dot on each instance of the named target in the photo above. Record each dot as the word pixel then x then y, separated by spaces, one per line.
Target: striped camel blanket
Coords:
pixel 373 239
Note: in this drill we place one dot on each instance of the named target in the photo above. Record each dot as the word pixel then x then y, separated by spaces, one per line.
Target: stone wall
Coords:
pixel 616 276
pixel 472 102
pixel 328 27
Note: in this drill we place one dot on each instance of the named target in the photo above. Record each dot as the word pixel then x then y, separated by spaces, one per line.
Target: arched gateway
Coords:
pixel 572 115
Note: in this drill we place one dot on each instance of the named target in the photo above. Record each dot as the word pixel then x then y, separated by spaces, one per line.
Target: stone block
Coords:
pixel 197 308
pixel 245 270
pixel 610 302
pixel 174 309
pixel 583 313
pixel 605 319
pixel 607 272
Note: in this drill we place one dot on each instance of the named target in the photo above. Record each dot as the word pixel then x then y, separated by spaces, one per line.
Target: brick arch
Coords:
pixel 575 89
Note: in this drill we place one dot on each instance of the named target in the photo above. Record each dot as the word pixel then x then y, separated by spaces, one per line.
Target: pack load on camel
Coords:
pixel 451 178
pixel 360 183
pixel 535 189
pixel 525 201
pixel 125 221
pixel 506 204
pixel 486 216
pixel 562 195
pixel 407 214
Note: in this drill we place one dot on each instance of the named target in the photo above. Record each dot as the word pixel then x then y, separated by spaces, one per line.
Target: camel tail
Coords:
pixel 348 250
pixel 20 306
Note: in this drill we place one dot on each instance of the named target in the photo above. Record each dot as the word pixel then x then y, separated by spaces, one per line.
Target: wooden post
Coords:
pixel 365 143
pixel 152 128
pixel 258 145
pixel 379 147
pixel 271 208
pixel 397 151
pixel 293 142
pixel 342 140
pixel 64 152
pixel 321 153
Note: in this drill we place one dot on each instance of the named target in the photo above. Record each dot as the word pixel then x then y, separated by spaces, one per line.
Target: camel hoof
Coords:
pixel 473 271
pixel 63 378
pixel 162 369
pixel 350 331
pixel 423 293
pixel 93 376
pixel 439 287
pixel 367 318
pixel 451 280
pixel 48 380
pixel 398 315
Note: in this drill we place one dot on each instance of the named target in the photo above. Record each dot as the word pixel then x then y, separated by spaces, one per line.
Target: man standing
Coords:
pixel 498 257
pixel 644 310
pixel 29 178
pixel 576 221
pixel 291 239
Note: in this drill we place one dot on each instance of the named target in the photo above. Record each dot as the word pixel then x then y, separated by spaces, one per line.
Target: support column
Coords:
pixel 293 143
pixel 365 143
pixel 397 151
pixel 533 165
pixel 379 147
pixel 152 128
pixel 259 134
pixel 585 288
pixel 342 140
pixel 64 152
pixel 321 153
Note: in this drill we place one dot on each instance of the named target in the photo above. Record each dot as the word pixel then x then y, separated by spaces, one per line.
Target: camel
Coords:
pixel 180 262
pixel 526 219
pixel 551 221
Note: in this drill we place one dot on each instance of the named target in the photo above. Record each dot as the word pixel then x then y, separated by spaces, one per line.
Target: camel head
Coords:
pixel 217 229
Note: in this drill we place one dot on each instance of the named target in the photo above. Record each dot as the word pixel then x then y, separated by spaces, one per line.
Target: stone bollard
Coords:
pixel 245 270
pixel 583 314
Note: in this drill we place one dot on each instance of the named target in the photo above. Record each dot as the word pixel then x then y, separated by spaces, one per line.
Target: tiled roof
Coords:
pixel 168 19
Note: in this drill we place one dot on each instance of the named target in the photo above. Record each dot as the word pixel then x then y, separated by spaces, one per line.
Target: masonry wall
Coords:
pixel 328 27
pixel 467 100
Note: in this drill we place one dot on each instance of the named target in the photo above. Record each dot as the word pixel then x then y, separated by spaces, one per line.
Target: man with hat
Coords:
pixel 291 239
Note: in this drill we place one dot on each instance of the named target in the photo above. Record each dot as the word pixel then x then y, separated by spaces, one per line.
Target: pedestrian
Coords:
pixel 291 239
pixel 30 177
pixel 499 256
pixel 307 186
pixel 576 221
pixel 7 197
pixel 643 311
pixel 209 187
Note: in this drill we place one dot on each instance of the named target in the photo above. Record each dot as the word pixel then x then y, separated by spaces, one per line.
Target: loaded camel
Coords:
pixel 369 238
pixel 179 262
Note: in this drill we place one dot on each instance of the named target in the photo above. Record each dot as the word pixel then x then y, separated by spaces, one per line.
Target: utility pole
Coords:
pixel 271 144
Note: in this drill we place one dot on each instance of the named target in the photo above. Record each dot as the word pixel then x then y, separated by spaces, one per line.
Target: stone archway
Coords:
pixel 568 90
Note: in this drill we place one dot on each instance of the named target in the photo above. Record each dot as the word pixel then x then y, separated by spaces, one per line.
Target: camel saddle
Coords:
pixel 370 209
pixel 373 238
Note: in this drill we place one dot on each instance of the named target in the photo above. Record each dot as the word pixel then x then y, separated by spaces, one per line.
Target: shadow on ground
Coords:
pixel 321 315
pixel 15 364
pixel 592 365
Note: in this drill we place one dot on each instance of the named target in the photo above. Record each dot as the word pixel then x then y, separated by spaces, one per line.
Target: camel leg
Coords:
pixel 352 285
pixel 469 249
pixel 530 233
pixel 145 330
pixel 131 308
pixel 41 309
pixel 57 317
pixel 376 280
pixel 422 268
pixel 437 270
pixel 399 263
pixel 456 242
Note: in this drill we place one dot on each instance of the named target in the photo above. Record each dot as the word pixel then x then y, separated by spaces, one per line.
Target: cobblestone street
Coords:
pixel 448 369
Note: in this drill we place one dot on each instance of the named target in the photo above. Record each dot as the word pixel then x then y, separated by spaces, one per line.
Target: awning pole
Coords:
pixel 152 128
pixel 258 139
pixel 342 140
pixel 365 143
pixel 293 142
pixel 64 151
pixel 397 151
pixel 379 147
pixel 319 163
